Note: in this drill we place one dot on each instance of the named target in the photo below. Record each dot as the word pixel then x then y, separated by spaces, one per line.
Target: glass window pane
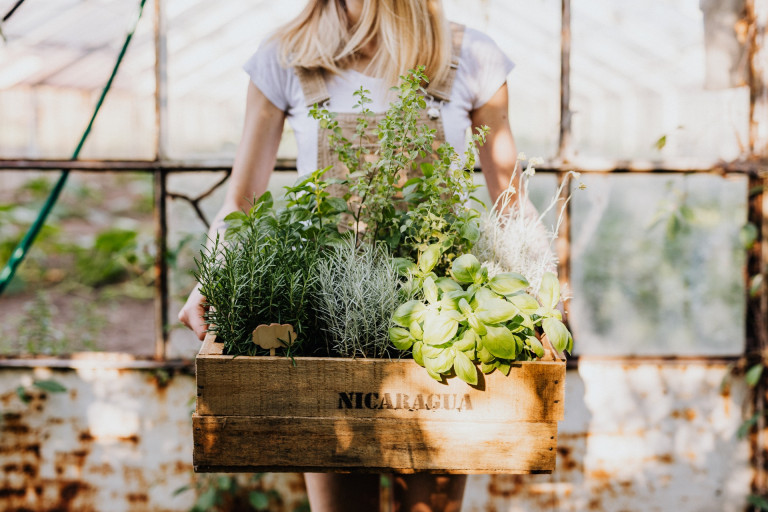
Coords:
pixel 206 85
pixel 529 33
pixel 644 81
pixel 58 56
pixel 657 265
pixel 89 275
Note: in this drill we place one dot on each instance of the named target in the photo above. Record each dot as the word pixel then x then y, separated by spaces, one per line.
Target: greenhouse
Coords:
pixel 635 379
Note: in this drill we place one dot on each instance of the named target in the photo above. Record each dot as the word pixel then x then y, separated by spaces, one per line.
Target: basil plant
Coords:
pixel 469 318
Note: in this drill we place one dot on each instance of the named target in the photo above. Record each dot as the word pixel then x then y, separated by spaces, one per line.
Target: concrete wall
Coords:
pixel 636 437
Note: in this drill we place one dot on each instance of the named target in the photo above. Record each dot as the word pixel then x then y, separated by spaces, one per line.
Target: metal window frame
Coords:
pixel 754 165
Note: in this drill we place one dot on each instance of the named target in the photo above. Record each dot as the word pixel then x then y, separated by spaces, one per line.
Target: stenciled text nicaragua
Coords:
pixel 433 401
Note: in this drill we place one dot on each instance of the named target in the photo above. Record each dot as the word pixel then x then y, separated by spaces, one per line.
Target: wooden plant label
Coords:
pixel 274 336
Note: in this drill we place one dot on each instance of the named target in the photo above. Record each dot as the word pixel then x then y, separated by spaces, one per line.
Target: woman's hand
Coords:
pixel 254 161
pixel 191 314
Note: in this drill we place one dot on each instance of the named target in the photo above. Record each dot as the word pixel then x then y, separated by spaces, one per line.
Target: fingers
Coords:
pixel 191 314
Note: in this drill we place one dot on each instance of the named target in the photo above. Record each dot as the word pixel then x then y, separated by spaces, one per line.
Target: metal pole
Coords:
pixel 757 264
pixel 564 147
pixel 159 185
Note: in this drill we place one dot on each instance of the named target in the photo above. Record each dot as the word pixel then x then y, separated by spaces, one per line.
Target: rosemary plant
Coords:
pixel 265 269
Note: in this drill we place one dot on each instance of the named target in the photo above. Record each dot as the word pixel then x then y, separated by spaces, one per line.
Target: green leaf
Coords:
pixel 467 341
pixel 535 346
pixel 408 312
pixel 430 290
pixel 746 427
pixel 476 325
pixel 558 334
pixel 446 284
pixel 265 201
pixel 525 303
pixel 483 294
pixel 758 501
pixel 549 291
pixel 429 258
pixel 753 374
pixel 495 311
pixel 500 342
pixel 404 266
pixel 442 363
pixel 418 356
pixel 508 283
pixel 338 204
pixel 465 268
pixel 487 367
pixel 21 392
pixel 179 490
pixel 51 386
pixel 748 234
pixel 416 331
pixel 427 169
pixel 470 232
pixel 208 500
pixel 258 500
pixel 465 370
pixel 235 217
pixel 503 366
pixel 400 338
pixel 439 328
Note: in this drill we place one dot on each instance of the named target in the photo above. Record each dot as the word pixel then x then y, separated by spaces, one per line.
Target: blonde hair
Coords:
pixel 407 33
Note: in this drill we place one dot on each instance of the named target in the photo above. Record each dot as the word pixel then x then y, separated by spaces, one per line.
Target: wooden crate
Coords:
pixel 258 414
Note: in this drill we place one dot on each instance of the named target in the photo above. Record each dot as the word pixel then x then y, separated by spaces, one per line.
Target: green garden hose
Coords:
pixel 22 248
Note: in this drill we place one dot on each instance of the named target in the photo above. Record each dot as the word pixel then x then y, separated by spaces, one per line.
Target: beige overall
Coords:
pixel 360 492
pixel 437 93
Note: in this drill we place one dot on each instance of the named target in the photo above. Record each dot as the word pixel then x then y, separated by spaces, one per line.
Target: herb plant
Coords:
pixel 407 214
pixel 264 270
pixel 357 295
pixel 469 318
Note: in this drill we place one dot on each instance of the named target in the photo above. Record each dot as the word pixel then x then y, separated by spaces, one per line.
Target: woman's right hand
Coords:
pixel 191 314
pixel 253 164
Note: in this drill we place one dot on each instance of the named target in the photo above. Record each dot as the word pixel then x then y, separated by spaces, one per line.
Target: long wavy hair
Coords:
pixel 407 33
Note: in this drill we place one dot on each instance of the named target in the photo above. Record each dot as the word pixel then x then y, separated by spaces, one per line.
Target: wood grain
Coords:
pixel 335 414
pixel 237 443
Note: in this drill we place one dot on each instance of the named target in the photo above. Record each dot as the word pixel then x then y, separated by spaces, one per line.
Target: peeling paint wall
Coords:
pixel 636 437
pixel 116 440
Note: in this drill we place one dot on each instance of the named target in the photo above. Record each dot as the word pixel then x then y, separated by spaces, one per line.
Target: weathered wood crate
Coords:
pixel 258 414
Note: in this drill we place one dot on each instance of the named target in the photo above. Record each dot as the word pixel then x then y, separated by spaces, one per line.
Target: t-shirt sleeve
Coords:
pixel 487 66
pixel 268 75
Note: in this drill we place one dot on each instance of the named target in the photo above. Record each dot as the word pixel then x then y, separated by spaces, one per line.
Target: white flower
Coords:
pixel 521 156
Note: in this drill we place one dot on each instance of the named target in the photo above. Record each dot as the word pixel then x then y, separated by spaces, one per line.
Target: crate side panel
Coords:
pixel 350 444
pixel 264 386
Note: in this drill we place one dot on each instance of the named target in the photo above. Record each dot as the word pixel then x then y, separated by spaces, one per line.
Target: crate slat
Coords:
pixel 238 443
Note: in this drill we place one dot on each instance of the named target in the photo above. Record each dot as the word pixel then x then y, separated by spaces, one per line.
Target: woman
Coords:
pixel 323 55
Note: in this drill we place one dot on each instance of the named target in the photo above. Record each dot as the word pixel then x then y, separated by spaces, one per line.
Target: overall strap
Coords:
pixel 313 86
pixel 441 89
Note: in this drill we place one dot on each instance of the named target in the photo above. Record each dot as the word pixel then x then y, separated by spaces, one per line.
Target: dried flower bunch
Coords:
pixel 417 271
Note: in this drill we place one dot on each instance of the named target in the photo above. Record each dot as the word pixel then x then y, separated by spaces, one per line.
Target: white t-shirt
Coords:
pixel 483 68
